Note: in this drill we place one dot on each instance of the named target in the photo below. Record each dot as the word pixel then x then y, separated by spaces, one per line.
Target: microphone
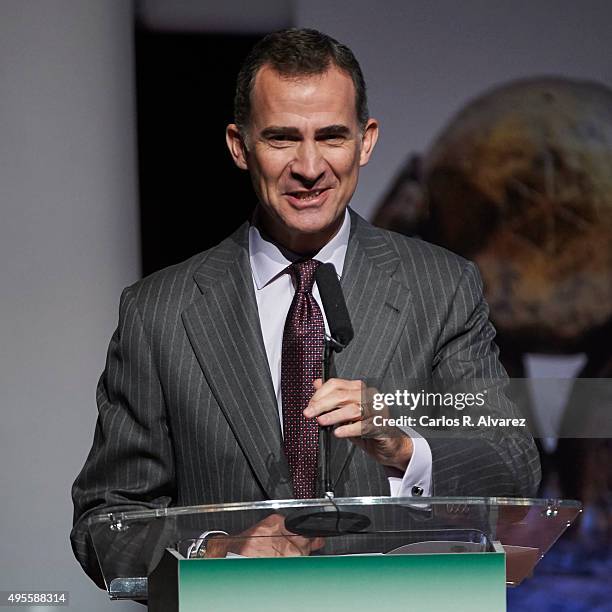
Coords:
pixel 341 333
pixel 329 520
pixel 338 318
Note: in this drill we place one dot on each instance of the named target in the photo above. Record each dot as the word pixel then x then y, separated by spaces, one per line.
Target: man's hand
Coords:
pixel 268 538
pixel 338 403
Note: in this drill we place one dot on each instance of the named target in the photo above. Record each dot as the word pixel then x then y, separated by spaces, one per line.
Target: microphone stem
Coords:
pixel 326 431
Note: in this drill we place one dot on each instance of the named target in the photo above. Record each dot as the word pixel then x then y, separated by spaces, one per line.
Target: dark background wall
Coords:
pixel 191 193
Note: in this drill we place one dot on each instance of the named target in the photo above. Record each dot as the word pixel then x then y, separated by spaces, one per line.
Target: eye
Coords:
pixel 333 139
pixel 281 140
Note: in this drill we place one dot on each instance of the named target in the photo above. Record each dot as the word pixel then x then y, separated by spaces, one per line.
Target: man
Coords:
pixel 211 391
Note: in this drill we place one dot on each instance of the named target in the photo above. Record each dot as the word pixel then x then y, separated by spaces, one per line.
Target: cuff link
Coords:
pixel 417 491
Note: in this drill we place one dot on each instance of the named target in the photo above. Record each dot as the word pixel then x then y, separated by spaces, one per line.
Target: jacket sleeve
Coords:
pixel 130 465
pixel 486 461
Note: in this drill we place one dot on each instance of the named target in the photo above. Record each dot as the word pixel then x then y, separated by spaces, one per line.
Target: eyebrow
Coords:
pixel 279 130
pixel 328 130
pixel 333 130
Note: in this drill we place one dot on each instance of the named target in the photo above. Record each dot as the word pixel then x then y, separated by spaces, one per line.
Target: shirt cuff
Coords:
pixel 418 472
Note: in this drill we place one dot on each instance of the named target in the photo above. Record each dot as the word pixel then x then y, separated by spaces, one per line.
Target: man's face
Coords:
pixel 303 149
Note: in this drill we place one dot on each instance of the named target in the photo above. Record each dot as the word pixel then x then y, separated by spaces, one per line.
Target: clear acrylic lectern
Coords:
pixel 376 553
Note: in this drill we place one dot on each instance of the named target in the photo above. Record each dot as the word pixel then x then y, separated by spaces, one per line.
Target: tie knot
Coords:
pixel 303 272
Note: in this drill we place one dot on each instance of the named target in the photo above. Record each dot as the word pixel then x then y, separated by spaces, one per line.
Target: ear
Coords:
pixel 236 146
pixel 368 141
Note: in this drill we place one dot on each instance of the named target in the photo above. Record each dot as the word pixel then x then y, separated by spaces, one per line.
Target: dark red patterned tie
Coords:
pixel 301 363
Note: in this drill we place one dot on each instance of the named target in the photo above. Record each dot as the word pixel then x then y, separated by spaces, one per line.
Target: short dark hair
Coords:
pixel 297 52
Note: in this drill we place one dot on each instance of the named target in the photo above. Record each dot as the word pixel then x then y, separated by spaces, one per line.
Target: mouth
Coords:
pixel 307 197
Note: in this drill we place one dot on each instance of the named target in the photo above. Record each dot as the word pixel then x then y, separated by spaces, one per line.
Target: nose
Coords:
pixel 309 165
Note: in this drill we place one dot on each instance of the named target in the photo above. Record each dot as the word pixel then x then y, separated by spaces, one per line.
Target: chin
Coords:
pixel 312 221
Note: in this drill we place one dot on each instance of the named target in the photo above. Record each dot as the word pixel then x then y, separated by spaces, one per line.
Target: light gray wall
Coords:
pixel 424 59
pixel 68 244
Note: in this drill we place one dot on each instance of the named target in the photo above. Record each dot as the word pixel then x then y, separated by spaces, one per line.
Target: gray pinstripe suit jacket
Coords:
pixel 187 410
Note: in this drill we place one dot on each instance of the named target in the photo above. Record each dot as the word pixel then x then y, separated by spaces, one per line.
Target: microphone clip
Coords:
pixel 334 345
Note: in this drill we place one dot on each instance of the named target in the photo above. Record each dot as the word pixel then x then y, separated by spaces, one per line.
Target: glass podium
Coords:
pixel 368 552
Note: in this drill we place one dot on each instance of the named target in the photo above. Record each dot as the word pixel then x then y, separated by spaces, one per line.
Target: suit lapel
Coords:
pixel 225 333
pixel 379 307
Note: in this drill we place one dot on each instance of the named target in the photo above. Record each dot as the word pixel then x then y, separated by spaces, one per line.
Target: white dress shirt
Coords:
pixel 274 293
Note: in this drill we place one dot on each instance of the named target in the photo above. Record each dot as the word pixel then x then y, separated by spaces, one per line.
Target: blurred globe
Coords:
pixel 520 181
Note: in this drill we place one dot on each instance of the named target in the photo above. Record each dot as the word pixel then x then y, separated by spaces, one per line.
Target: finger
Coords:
pixel 325 400
pixel 288 548
pixel 351 430
pixel 334 384
pixel 265 547
pixel 304 544
pixel 274 520
pixel 297 544
pixel 307 545
pixel 324 389
pixel 298 539
pixel 347 414
pixel 257 547
pixel 268 547
pixel 317 543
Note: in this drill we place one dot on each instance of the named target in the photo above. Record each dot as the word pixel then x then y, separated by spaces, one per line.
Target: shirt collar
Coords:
pixel 268 261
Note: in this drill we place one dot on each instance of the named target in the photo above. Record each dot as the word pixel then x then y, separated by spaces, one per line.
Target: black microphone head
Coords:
pixel 334 304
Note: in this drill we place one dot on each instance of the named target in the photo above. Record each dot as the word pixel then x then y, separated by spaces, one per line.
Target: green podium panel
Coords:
pixel 474 582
